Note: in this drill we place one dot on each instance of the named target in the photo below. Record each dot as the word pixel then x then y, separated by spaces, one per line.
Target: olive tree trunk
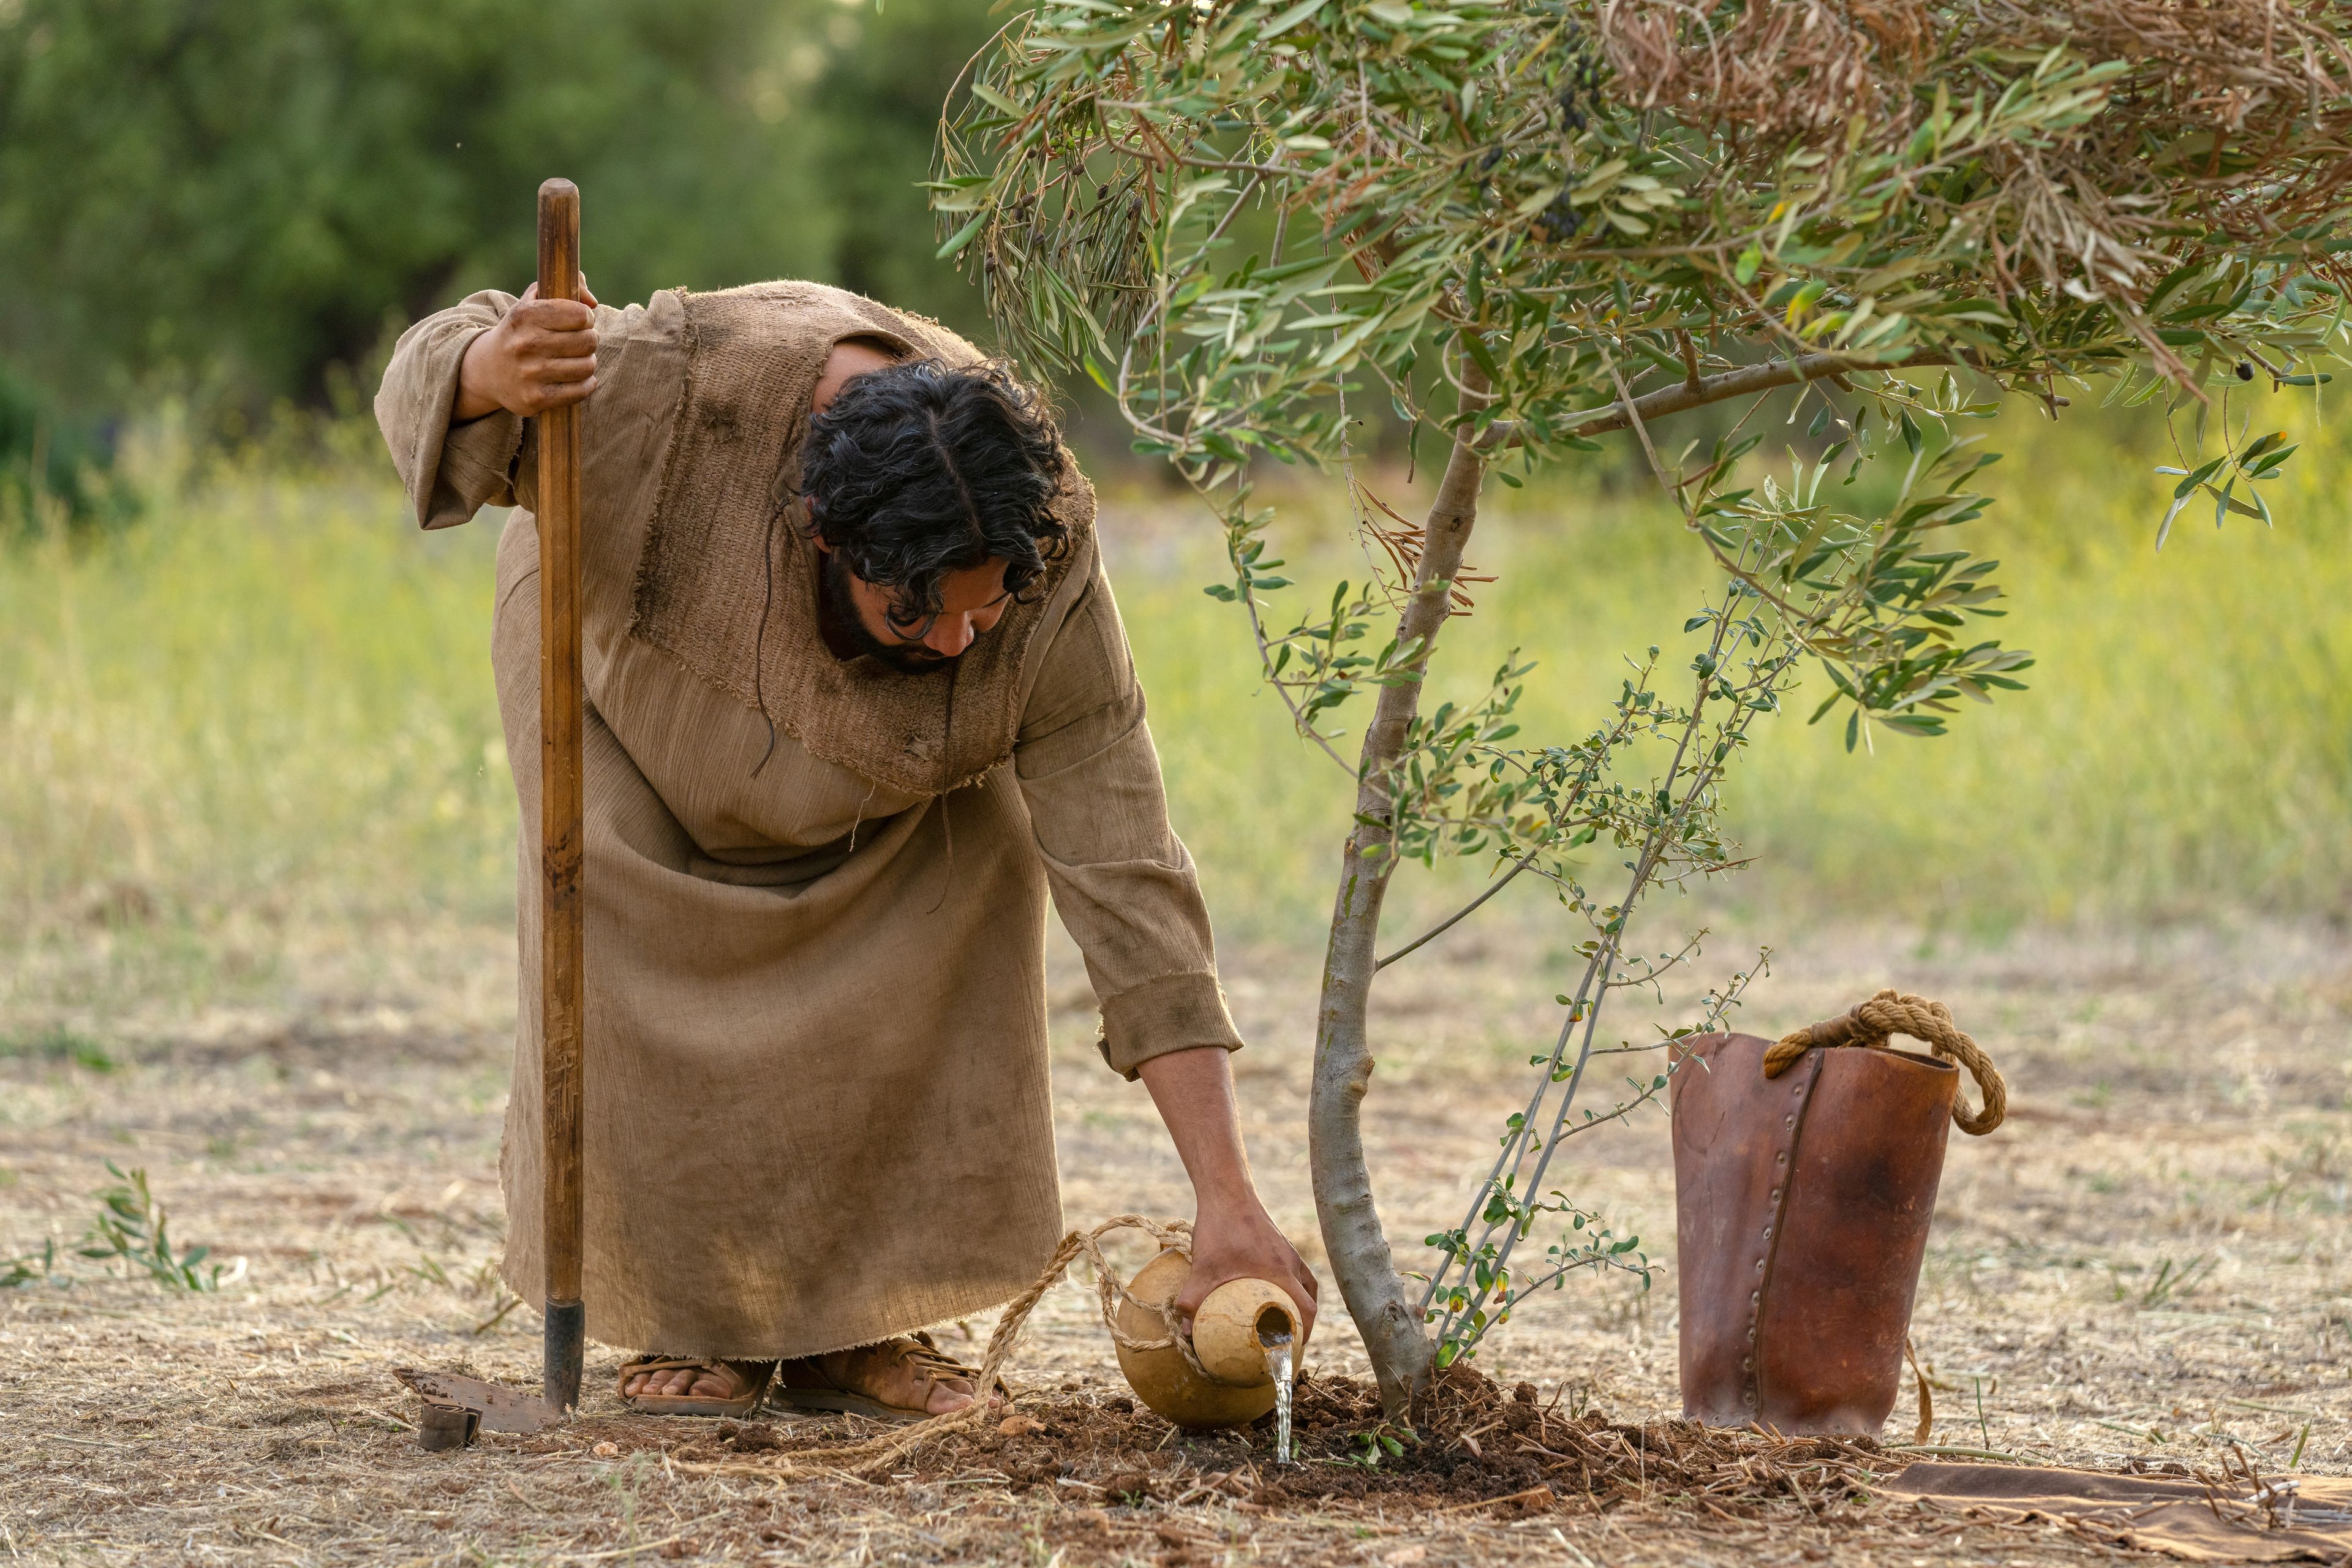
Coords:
pixel 1400 1350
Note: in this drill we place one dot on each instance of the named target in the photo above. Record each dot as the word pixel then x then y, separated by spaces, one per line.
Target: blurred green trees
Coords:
pixel 238 203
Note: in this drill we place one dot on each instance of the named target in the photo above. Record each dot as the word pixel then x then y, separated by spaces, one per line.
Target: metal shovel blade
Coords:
pixel 501 1409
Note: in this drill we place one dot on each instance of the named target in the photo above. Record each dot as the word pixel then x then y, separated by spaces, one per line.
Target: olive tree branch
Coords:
pixel 1458 916
pixel 1627 412
pixel 1606 745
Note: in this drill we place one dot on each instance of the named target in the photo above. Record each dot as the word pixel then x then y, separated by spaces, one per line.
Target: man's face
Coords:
pixel 972 601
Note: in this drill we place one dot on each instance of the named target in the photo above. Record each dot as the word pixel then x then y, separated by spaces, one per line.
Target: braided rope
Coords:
pixel 877 1452
pixel 1890 1013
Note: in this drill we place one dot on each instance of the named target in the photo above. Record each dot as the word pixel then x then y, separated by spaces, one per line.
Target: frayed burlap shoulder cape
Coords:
pixel 817 1098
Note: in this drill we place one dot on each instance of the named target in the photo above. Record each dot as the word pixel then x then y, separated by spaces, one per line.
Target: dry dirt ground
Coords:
pixel 2151 1258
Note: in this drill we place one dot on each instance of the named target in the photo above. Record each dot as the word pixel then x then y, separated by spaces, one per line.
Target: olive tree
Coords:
pixel 1527 225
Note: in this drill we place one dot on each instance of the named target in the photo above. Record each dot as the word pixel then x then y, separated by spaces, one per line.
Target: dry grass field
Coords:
pixel 2151 1260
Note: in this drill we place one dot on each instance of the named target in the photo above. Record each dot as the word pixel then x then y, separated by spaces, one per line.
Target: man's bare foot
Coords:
pixel 903 1374
pixel 694 1383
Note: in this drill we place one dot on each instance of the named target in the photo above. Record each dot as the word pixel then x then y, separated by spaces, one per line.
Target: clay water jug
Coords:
pixel 1238 1332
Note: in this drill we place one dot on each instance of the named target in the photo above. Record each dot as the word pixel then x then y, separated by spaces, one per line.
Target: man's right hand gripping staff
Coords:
pixel 542 354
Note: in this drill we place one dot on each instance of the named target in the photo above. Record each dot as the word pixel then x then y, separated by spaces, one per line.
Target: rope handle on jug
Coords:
pixel 1110 1290
pixel 1891 1013
pixel 1176 1235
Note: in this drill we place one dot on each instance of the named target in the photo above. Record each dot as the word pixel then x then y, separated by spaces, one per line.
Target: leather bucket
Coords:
pixel 1802 1202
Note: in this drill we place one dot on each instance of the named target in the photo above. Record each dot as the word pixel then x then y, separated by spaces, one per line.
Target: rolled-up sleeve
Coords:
pixel 450 471
pixel 1122 879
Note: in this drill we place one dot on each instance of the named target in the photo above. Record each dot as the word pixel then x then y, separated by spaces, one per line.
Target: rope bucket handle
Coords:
pixel 1891 1013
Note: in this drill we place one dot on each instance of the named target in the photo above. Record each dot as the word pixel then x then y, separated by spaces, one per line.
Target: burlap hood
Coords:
pixel 727 583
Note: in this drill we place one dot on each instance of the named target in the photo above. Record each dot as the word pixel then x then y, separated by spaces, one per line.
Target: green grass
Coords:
pixel 57 1045
pixel 268 707
pixel 264 709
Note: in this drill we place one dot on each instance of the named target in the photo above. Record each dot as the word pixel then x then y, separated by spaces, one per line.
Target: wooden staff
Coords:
pixel 561 830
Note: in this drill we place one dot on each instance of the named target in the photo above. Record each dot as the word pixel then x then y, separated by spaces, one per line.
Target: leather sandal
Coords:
pixel 804 1386
pixel 746 1382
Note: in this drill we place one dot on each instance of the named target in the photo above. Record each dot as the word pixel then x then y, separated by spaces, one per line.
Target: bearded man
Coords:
pixel 857 700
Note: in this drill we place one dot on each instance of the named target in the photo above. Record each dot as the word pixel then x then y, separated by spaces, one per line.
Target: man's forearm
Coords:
pixel 1195 1093
pixel 473 402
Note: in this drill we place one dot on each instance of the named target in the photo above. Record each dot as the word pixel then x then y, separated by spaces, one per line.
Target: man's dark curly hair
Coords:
pixel 921 470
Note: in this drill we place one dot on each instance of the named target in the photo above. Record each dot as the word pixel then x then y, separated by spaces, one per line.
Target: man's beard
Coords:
pixel 845 627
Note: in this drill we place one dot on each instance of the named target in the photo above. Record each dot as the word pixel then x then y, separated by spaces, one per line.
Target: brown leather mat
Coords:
pixel 2296 1519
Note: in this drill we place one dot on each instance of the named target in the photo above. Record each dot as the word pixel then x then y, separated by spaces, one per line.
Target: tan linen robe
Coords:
pixel 817 1108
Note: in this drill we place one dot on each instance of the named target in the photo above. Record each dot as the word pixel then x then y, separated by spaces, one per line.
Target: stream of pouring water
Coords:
pixel 1277 1361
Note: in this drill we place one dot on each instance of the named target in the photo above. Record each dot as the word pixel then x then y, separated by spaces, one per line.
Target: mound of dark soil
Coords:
pixel 1473 1442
